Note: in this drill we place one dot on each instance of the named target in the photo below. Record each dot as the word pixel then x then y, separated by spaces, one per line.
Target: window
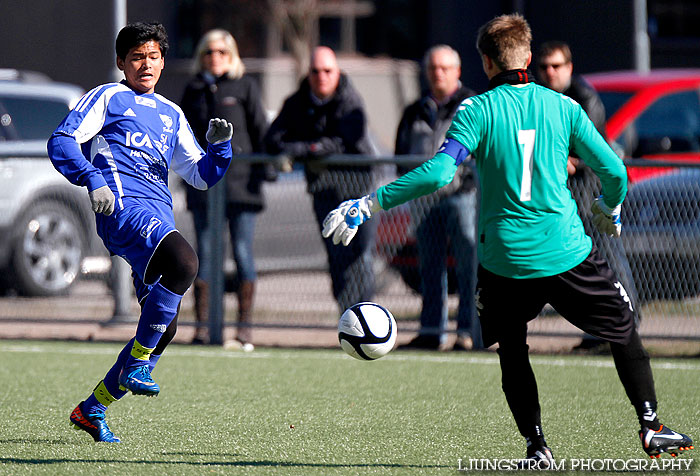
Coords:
pixel 613 101
pixel 24 118
pixel 671 124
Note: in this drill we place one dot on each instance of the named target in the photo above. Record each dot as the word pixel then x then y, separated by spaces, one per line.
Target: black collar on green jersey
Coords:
pixel 512 76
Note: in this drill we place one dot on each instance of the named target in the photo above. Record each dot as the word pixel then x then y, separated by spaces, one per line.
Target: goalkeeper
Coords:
pixel 119 142
pixel 532 247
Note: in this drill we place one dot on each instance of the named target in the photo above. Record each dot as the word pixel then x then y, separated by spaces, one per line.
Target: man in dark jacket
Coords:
pixel 326 116
pixel 555 67
pixel 446 217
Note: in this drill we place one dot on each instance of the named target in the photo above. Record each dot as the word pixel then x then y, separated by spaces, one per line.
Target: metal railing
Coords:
pixel 660 242
pixel 646 274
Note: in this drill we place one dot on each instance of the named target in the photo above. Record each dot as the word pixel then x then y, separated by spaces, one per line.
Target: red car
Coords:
pixel 651 116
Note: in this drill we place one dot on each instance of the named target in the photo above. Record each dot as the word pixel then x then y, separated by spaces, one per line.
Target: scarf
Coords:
pixel 512 76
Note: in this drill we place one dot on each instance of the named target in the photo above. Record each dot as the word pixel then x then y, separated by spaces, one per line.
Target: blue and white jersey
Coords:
pixel 130 141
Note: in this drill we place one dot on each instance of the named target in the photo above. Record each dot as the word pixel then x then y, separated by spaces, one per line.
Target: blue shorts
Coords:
pixel 135 232
pixel 141 289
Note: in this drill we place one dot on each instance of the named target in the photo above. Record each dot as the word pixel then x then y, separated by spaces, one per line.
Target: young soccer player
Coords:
pixel 119 142
pixel 531 244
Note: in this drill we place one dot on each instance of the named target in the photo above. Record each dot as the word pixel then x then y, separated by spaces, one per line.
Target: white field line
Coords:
pixel 330 354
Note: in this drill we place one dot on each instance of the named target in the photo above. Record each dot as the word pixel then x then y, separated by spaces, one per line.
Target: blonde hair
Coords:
pixel 236 67
pixel 506 40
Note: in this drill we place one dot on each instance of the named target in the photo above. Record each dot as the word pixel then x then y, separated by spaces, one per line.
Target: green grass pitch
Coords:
pixel 317 411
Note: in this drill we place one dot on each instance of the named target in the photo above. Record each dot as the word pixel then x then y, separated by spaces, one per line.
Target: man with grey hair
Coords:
pixel 446 217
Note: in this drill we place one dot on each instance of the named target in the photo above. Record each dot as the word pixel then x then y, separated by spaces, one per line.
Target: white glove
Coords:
pixel 219 131
pixel 607 220
pixel 342 222
pixel 102 200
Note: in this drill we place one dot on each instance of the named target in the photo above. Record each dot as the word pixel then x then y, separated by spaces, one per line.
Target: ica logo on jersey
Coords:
pixel 141 139
pixel 138 139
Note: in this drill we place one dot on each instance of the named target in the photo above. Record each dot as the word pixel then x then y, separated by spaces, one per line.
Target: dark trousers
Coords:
pixel 590 297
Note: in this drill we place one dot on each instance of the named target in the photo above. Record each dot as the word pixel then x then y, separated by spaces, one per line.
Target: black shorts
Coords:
pixel 589 296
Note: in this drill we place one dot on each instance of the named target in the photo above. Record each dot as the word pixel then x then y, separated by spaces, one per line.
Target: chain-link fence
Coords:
pixel 658 258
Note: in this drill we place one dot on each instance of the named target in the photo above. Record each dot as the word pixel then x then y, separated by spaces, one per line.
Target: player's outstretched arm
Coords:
pixel 437 172
pixel 199 169
pixel 342 222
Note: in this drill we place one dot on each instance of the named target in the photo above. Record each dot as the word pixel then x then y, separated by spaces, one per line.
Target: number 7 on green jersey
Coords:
pixel 526 138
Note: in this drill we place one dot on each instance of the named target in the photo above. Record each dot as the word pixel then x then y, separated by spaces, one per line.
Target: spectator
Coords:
pixel 326 116
pixel 119 142
pixel 220 88
pixel 555 69
pixel 447 218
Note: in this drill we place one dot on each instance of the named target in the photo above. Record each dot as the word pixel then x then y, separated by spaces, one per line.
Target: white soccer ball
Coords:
pixel 367 331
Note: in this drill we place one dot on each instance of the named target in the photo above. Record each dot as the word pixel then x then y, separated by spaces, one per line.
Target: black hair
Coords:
pixel 136 34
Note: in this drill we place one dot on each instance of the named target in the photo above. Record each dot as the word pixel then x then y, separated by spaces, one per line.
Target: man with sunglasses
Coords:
pixel 555 69
pixel 326 116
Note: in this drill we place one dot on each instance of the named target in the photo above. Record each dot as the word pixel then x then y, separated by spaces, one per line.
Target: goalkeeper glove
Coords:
pixel 102 200
pixel 342 222
pixel 606 219
pixel 219 131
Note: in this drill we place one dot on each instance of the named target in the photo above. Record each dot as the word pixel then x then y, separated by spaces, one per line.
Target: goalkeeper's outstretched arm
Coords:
pixel 433 174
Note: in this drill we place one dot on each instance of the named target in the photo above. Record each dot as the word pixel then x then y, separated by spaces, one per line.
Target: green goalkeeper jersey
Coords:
pixel 520 138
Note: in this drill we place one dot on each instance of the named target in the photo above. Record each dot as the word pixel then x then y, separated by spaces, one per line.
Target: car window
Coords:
pixel 7 129
pixel 613 101
pixel 24 118
pixel 670 124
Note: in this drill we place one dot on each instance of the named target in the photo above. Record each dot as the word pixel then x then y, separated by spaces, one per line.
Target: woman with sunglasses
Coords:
pixel 220 88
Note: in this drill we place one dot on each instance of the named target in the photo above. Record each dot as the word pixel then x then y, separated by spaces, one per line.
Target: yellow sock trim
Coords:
pixel 102 394
pixel 140 352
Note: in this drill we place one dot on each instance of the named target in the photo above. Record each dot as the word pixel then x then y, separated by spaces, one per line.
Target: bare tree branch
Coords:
pixel 297 20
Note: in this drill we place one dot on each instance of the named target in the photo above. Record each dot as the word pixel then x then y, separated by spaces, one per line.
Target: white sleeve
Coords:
pixel 88 116
pixel 186 154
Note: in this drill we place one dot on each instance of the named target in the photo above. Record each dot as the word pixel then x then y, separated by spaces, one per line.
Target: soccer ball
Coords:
pixel 367 331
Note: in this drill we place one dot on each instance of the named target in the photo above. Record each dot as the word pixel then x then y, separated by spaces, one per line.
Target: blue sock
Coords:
pixel 153 361
pixel 159 309
pixel 92 405
pixel 111 382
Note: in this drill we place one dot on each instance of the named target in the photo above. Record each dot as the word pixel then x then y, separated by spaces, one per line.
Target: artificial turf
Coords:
pixel 318 411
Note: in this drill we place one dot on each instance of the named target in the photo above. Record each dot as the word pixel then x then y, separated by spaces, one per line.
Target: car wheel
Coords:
pixel 47 251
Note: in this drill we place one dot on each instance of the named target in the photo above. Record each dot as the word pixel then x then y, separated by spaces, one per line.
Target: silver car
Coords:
pixel 47 237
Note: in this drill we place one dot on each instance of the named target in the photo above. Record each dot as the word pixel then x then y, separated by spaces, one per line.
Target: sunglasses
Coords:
pixel 319 71
pixel 554 66
pixel 219 52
